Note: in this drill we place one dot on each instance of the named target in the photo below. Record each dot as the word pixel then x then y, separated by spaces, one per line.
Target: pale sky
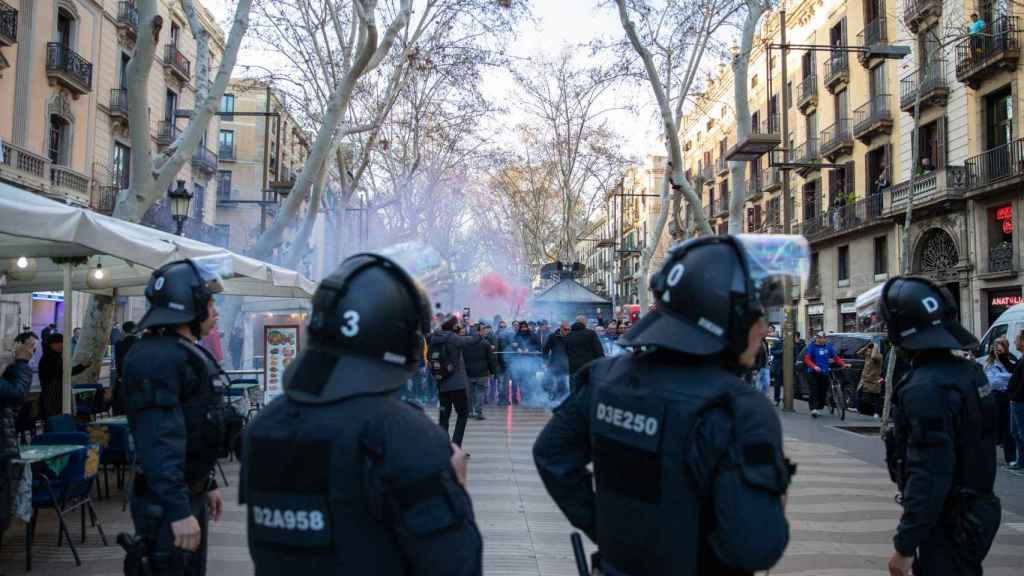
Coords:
pixel 560 24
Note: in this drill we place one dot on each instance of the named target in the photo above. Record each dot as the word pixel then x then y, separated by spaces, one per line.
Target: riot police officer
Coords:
pixel 341 476
pixel 174 402
pixel 687 458
pixel 941 448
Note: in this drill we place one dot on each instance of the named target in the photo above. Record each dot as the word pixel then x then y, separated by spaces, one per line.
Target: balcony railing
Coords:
pixel 711 209
pixel 874 33
pixel 128 16
pixel 707 173
pixel 721 165
pixel 8 24
pixel 807 153
pixel 176 62
pixel 65 180
pixel 167 133
pixel 68 68
pixel 808 91
pixel 842 219
pixel 947 184
pixel 1001 258
pixel 226 151
pixel 931 83
pixel 992 166
pixel 837 69
pixel 754 187
pixel 995 48
pixel 837 138
pixel 771 178
pixel 914 11
pixel 104 198
pixel 119 102
pixel 872 116
pixel 22 162
pixel 770 125
pixel 204 160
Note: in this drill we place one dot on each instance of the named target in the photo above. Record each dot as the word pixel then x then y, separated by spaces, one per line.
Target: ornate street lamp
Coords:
pixel 181 199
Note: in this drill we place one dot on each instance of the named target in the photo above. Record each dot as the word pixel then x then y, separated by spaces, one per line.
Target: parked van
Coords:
pixel 1008 325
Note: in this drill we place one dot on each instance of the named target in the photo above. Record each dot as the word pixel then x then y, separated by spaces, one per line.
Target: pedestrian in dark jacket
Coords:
pixel 452 391
pixel 1015 393
pixel 51 377
pixel 524 361
pixel 121 349
pixel 14 387
pixel 582 346
pixel 481 364
pixel 557 359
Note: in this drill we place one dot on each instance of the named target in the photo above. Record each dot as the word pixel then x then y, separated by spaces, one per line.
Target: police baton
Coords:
pixel 577 551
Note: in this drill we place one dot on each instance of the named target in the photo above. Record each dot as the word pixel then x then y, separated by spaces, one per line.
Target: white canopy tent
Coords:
pixel 40 229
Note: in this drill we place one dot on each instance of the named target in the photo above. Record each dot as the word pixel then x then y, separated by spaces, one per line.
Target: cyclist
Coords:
pixel 818 357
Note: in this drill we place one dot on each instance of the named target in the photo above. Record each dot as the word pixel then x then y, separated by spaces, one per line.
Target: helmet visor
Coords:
pixel 422 262
pixel 213 269
pixel 772 261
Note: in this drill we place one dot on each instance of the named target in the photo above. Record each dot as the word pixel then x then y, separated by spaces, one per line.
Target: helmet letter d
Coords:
pixel 930 304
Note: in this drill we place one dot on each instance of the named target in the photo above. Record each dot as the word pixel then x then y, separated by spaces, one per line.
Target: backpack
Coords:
pixel 441 365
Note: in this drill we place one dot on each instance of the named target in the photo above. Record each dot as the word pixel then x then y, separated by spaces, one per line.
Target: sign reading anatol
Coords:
pixel 1006 301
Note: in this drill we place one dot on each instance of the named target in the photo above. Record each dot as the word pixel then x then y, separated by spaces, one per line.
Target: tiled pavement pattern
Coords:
pixel 841 511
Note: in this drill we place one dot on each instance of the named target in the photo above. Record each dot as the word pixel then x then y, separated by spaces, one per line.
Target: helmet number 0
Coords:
pixel 675 275
pixel 351 327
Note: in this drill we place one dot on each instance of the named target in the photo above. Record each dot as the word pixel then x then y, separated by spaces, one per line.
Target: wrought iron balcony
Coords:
pixel 205 161
pixel 807 153
pixel 176 63
pixel 119 103
pixel 836 140
pixel 872 118
pixel 226 152
pixel 104 198
pixel 128 17
pixel 1001 258
pixel 167 133
pixel 754 187
pixel 843 219
pixel 983 55
pixel 8 24
pixel 917 11
pixel 67 68
pixel 996 168
pixel 837 71
pixel 875 33
pixel 932 86
pixel 771 179
pixel 808 93
pixel 721 166
pixel 941 187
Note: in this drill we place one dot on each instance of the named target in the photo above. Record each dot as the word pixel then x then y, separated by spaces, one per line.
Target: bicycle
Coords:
pixel 836 395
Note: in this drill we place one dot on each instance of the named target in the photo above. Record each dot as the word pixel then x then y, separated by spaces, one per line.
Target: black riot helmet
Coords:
pixel 711 290
pixel 180 292
pixel 922 315
pixel 366 332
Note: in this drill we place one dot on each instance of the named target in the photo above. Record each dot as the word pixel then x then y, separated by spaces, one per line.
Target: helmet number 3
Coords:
pixel 351 327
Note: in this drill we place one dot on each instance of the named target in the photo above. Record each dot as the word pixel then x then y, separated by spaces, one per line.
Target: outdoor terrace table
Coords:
pixel 56 458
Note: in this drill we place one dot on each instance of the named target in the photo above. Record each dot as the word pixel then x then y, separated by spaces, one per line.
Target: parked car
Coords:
pixel 846 344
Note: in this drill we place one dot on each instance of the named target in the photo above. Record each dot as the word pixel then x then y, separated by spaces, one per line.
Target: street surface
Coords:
pixel 841 510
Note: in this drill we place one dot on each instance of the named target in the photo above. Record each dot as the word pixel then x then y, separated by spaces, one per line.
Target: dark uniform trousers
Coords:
pixel 165 559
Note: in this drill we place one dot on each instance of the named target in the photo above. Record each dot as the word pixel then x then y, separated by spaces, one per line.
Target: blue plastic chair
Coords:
pixel 61 423
pixel 65 492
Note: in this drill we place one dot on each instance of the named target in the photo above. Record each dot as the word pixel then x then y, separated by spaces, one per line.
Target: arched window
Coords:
pixel 60 136
pixel 936 252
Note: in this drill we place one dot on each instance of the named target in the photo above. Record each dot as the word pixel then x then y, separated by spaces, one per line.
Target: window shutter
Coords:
pixel 850 172
pixel 940 143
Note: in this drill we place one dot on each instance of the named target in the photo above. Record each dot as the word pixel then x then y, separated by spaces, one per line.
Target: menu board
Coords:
pixel 280 347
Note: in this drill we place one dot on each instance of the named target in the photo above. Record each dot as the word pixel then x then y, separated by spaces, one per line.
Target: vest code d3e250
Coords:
pixel 627 420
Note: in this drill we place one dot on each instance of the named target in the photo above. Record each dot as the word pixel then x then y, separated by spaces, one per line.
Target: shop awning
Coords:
pixel 36 227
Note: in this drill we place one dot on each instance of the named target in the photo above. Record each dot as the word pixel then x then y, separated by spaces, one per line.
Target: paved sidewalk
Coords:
pixel 841 510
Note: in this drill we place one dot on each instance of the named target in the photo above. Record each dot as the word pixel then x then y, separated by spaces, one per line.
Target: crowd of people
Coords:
pixel 471 364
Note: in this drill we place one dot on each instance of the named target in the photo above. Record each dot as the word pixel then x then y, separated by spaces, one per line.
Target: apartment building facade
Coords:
pixel 850 139
pixel 63 108
pixel 261 150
